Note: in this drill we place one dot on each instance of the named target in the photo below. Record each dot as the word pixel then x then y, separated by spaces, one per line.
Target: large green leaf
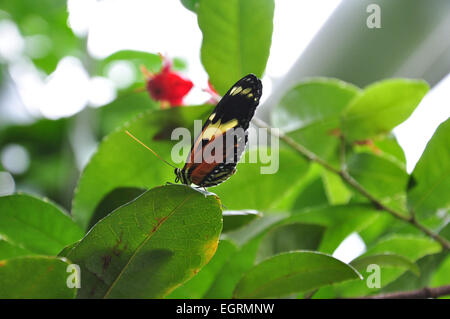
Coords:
pixel 236 39
pixel 288 237
pixel 9 250
pixel 116 198
pixel 255 228
pixel 291 273
pixel 430 182
pixel 384 179
pixel 311 113
pixel 247 239
pixel 428 266
pixel 339 220
pixel 381 107
pixel 313 195
pixel 410 247
pixel 234 219
pixel 442 275
pixel 36 225
pixel 387 260
pixel 386 147
pixel 148 247
pixel 231 272
pixel 38 277
pixel 121 162
pixel 317 101
pixel 198 285
pixel 337 191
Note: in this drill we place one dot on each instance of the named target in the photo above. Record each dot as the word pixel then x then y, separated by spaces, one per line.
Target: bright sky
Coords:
pixel 167 27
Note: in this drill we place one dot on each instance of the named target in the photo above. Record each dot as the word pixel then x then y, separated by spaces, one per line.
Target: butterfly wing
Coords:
pixel 218 148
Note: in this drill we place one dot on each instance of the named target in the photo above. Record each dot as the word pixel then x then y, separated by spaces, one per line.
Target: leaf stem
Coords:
pixel 349 180
pixel 425 292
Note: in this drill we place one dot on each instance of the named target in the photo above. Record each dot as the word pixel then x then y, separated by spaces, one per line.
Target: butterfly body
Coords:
pixel 218 148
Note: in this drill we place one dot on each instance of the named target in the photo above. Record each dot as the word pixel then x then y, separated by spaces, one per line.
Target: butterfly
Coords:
pixel 233 113
pixel 217 149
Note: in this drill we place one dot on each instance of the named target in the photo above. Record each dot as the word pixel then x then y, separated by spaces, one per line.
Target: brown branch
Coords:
pixel 349 180
pixel 413 294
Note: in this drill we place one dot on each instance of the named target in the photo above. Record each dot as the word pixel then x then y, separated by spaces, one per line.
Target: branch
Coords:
pixel 349 180
pixel 414 294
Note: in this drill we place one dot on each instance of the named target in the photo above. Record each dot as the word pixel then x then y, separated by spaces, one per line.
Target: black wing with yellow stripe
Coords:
pixel 216 151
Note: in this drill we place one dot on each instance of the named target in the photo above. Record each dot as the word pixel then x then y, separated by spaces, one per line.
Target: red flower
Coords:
pixel 167 86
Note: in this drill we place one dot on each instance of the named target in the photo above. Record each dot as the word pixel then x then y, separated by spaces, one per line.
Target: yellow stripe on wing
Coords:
pixel 218 127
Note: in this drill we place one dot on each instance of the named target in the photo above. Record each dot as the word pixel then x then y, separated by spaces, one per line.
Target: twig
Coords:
pixel 413 294
pixel 349 180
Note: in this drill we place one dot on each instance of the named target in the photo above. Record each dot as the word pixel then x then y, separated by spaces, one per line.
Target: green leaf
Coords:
pixel 116 198
pixel 149 60
pixel 247 239
pixel 150 246
pixel 313 195
pixel 234 219
pixel 199 285
pixel 288 237
pixel 135 59
pixel 36 225
pixel 126 107
pixel 236 39
pixel 380 227
pixel 250 188
pixel 311 112
pixel 381 177
pixel 65 251
pixel 428 265
pixel 337 191
pixel 386 260
pixel 231 272
pixel 255 228
pixel 287 201
pixel 317 101
pixel 429 185
pixel 442 275
pixel 410 247
pixel 292 273
pixel 381 107
pixel 340 221
pixel 122 162
pixel 35 277
pixel 391 149
pixel 9 250
pixel 190 5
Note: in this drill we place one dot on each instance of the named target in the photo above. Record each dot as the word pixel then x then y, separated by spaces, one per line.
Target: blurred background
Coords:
pixel 58 71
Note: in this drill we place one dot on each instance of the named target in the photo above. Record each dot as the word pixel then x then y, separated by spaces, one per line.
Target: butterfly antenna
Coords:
pixel 137 140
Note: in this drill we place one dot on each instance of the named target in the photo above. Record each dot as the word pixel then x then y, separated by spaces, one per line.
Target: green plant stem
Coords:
pixel 413 294
pixel 349 180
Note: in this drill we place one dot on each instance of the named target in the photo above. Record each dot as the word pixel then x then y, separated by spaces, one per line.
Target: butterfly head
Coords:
pixel 180 176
